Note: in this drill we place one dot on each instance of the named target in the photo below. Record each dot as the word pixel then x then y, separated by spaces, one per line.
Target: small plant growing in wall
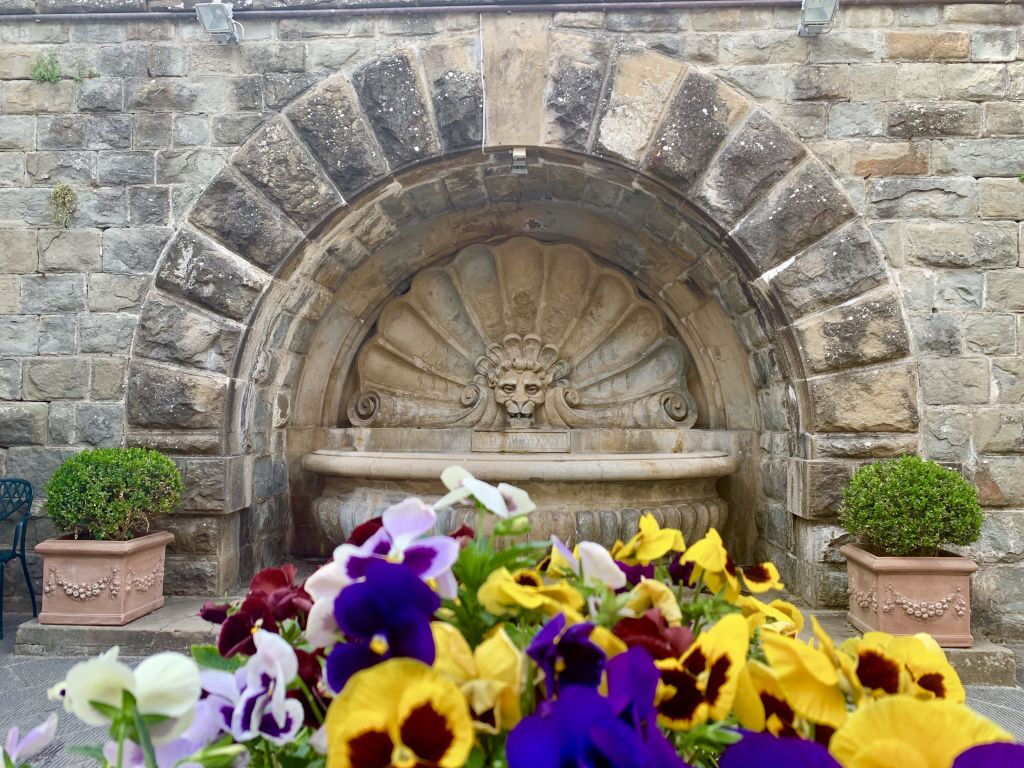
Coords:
pixel 109 494
pixel 909 506
pixel 82 72
pixel 63 200
pixel 46 69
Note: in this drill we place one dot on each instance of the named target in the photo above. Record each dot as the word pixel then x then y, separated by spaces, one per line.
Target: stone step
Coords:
pixel 175 627
pixel 984 664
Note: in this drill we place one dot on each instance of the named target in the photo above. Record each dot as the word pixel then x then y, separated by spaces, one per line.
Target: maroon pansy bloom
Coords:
pixel 364 531
pixel 651 633
pixel 236 633
pixel 283 597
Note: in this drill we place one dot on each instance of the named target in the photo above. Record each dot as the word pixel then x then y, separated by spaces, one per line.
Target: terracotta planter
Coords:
pixel 102 582
pixel 906 595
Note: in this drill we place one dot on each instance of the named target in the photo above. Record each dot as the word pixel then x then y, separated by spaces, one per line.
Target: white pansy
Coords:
pixel 103 679
pixel 504 500
pixel 597 565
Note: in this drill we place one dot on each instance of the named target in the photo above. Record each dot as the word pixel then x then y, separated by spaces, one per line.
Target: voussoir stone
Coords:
pixel 694 127
pixel 172 332
pixel 282 169
pixel 453 75
pixel 174 399
pixel 876 400
pixel 801 210
pixel 242 221
pixel 389 93
pixel 759 155
pixel 577 73
pixel 855 334
pixel 200 271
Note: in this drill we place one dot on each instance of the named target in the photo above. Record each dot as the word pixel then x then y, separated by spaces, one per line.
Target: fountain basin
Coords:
pixel 580 496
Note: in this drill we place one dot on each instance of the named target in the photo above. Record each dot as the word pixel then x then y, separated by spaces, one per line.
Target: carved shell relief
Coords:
pixel 522 335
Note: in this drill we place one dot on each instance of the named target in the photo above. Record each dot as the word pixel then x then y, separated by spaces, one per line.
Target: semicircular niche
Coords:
pixel 517 336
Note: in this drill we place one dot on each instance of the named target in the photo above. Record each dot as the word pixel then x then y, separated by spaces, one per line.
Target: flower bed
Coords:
pixel 412 649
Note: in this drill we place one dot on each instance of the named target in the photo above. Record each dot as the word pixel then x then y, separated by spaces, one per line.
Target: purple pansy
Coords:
pixel 567 656
pixel 999 755
pixel 387 615
pixel 762 750
pixel 203 731
pixel 636 573
pixel 18 747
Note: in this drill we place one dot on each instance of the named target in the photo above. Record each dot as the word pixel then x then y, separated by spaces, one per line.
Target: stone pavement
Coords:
pixel 24 681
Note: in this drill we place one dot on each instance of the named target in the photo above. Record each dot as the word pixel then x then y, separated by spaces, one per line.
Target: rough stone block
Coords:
pixel 1000 481
pixel 856 119
pixel 114 293
pixel 175 333
pixel 935 120
pixel 925 197
pixel 190 131
pixel 188 166
pixel 19 249
pixel 242 221
pixel 856 334
pixel 927 46
pixel 280 89
pixel 1008 376
pixel 991 334
pixel 803 208
pixel 167 60
pixel 452 72
pixel 282 169
pixel 389 94
pixel 820 82
pixel 999 430
pixel 1004 290
pixel 695 125
pixel 946 434
pixel 994 45
pixel 198 270
pixel 19 335
pixel 937 334
pixel 99 424
pixel 10 379
pixel 23 423
pixel 152 131
pixel 974 82
pixel 641 83
pixel 69 250
pixel 58 334
pixel 889 159
pixel 958 290
pixel 982 14
pixel 233 129
pixel 576 75
pixel 61 132
pixel 873 82
pixel 100 95
pixel 53 293
pixel 274 57
pixel 954 380
pixel 56 378
pixel 61 424
pixel 946 244
pixel 844 265
pixel 133 251
pixel 517 63
pixel 108 132
pixel 1003 118
pixel 106 332
pixel 816 487
pixel 17 133
pixel 52 167
pixel 171 398
pixel 879 400
pixel 25 97
pixel 1001 198
pixel 975 157
pixel 108 378
pixel 148 205
pixel 36 464
pixel 758 156
pixel 767 47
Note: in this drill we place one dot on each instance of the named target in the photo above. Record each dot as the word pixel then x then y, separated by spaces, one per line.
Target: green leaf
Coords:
pixel 95 752
pixel 8 763
pixel 141 731
pixel 108 711
pixel 209 657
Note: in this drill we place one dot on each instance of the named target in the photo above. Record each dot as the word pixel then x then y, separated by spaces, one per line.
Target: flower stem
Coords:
pixel 312 701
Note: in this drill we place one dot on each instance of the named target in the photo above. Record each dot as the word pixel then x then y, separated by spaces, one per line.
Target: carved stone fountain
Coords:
pixel 531 364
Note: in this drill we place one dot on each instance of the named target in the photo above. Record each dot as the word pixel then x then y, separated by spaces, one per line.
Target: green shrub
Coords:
pixel 110 493
pixel 46 69
pixel 909 506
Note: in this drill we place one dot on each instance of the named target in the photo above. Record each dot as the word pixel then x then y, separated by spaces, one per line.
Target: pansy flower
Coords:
pixel 590 562
pixel 762 750
pixel 906 731
pixel 651 632
pixel 712 562
pixel 506 592
pixel 776 616
pixel 398 713
pixel 284 598
pixel 386 615
pixel 503 500
pixel 18 747
pixel 997 755
pixel 652 593
pixel 490 676
pixel 636 573
pixel 761 703
pixel 237 631
pixel 701 684
pixel 567 656
pixel 650 543
pixel 911 664
pixel 809 677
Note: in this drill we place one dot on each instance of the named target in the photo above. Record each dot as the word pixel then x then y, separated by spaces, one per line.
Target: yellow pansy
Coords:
pixel 650 543
pixel 715 565
pixel 905 732
pixel 701 685
pixel 761 703
pixel 809 678
pixel 399 713
pixel 603 638
pixel 507 592
pixel 777 616
pixel 651 593
pixel 916 664
pixel 490 677
pixel 844 664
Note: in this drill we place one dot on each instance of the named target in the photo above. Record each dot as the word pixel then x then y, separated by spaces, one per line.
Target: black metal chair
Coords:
pixel 15 498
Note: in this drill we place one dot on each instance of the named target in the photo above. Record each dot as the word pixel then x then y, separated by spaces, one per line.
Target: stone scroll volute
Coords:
pixel 522 335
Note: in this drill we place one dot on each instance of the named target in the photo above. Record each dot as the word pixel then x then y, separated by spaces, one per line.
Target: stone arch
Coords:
pixel 735 218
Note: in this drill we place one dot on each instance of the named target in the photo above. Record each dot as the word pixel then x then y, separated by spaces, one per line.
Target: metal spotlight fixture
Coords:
pixel 519 160
pixel 816 17
pixel 215 18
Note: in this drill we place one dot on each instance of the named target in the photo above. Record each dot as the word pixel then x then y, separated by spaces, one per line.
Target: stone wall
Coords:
pixel 905 119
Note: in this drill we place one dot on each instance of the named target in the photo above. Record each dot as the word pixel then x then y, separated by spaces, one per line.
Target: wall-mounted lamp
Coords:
pixel 816 17
pixel 215 19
